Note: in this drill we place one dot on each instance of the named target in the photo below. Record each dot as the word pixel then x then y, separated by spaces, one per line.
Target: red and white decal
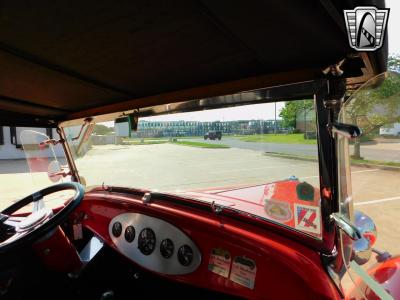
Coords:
pixel 269 191
pixel 244 271
pixel 220 262
pixel 307 218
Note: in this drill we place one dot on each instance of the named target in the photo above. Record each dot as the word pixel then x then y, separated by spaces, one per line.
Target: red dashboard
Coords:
pixel 234 257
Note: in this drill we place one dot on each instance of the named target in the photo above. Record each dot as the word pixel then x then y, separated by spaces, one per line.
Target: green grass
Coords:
pixel 147 141
pixel 295 138
pixel 374 162
pixel 201 145
pixel 177 141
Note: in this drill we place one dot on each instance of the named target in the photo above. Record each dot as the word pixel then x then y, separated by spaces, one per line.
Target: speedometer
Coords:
pixel 147 241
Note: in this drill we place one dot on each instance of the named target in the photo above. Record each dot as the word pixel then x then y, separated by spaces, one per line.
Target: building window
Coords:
pixel 49 132
pixel 1 136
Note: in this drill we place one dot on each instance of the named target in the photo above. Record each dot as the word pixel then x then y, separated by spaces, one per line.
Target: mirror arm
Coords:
pixel 348 228
pixel 85 122
pixel 51 142
pixel 62 173
pixel 346 130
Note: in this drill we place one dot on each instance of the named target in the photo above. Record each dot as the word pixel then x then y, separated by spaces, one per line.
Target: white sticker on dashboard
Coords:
pixel 244 271
pixel 220 262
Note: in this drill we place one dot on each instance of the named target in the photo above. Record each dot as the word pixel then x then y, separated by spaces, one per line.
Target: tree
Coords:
pixel 100 129
pixel 374 106
pixel 289 112
pixel 394 63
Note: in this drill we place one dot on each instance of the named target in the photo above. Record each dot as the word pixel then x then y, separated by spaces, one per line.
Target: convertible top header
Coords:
pixel 72 59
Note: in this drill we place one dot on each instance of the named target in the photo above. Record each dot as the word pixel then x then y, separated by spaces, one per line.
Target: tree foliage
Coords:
pixel 100 129
pixel 375 105
pixel 394 63
pixel 289 112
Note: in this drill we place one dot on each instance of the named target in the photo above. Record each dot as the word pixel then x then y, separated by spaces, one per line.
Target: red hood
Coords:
pixel 277 201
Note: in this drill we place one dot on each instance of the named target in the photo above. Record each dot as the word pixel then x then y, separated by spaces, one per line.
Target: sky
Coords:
pixel 247 112
pixel 267 111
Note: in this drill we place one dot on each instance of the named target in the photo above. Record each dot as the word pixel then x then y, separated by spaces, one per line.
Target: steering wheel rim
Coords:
pixel 50 224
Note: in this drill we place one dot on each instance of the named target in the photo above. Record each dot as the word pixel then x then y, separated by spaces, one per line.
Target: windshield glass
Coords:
pixel 28 165
pixel 369 177
pixel 261 159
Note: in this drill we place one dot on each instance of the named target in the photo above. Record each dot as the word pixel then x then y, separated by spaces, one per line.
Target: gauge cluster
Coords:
pixel 154 244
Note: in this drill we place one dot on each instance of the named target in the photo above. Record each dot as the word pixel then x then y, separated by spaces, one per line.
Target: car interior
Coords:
pixel 67 65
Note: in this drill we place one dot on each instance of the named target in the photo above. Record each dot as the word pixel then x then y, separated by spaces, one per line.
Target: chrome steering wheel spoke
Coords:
pixel 38 202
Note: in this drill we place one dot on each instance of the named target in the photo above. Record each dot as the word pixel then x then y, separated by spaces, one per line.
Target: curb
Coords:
pixel 365 165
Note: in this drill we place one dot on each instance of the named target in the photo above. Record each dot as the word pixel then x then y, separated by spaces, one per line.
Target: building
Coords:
pixel 305 120
pixel 11 144
pixel 197 128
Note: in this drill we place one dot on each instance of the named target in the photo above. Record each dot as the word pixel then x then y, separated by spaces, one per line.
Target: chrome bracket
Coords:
pixel 346 226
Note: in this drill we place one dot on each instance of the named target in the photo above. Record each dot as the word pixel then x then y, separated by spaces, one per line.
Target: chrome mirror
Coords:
pixel 54 171
pixel 362 248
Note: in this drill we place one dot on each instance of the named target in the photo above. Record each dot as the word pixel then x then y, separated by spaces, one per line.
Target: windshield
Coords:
pixel 369 175
pixel 261 159
pixel 29 165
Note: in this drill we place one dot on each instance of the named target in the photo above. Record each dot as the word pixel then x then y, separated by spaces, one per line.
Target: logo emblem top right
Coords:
pixel 366 26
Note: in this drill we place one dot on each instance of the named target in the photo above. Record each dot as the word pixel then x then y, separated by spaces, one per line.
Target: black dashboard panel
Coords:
pixel 154 244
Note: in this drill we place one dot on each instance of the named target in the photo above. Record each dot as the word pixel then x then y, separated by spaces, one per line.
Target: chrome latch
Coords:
pixel 146 198
pixel 346 226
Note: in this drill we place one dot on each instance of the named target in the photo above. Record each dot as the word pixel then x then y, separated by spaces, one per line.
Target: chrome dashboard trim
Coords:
pixel 163 230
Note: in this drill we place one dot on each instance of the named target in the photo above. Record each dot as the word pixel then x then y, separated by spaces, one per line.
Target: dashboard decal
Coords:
pixel 307 218
pixel 220 262
pixel 244 271
pixel 278 210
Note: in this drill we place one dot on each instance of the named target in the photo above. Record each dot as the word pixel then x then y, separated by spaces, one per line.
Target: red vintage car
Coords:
pixel 108 189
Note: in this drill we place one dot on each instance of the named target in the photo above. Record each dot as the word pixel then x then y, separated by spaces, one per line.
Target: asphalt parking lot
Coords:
pixel 175 167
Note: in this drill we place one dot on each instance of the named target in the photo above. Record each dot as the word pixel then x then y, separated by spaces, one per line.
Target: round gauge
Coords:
pixel 185 255
pixel 167 248
pixel 147 241
pixel 116 229
pixel 130 234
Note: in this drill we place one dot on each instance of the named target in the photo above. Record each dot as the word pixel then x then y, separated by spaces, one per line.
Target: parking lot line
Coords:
pixel 257 168
pixel 354 172
pixel 377 201
pixel 363 171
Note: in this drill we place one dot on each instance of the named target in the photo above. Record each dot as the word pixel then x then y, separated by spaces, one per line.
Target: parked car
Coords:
pixel 213 135
pixel 183 220
pixel 391 130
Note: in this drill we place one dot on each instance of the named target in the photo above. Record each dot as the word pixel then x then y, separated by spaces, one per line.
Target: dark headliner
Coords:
pixel 59 58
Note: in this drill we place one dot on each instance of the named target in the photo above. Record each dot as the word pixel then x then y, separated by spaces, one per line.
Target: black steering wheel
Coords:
pixel 15 232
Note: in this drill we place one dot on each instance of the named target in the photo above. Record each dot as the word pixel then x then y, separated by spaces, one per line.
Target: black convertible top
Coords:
pixel 62 60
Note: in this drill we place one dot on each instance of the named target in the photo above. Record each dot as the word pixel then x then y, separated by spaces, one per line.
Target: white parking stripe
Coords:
pixel 258 168
pixel 361 171
pixel 377 201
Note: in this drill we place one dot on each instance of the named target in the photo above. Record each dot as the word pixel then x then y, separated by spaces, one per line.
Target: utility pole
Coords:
pixel 275 120
pixel 305 119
